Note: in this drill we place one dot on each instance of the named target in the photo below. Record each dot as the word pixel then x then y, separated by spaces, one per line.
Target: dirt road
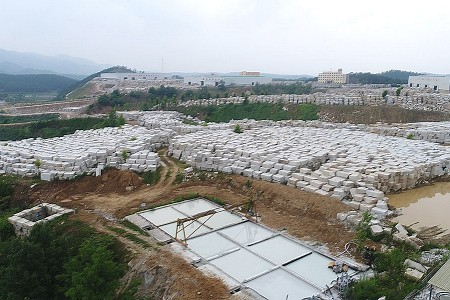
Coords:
pixel 103 201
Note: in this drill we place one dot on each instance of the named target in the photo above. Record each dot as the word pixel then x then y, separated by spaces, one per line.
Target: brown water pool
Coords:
pixel 428 205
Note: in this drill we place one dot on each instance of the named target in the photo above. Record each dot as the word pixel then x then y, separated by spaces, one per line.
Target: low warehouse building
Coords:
pixel 244 78
pixel 437 83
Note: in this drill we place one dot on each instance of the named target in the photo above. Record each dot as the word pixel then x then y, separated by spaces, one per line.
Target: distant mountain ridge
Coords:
pixel 12 62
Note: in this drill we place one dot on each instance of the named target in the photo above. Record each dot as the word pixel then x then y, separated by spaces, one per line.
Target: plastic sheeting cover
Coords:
pixel 247 233
pixel 241 264
pixel 162 215
pixel 280 285
pixel 314 267
pixel 211 245
pixel 279 249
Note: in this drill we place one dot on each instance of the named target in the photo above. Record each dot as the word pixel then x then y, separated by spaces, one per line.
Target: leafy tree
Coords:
pixel 93 272
pixel 384 94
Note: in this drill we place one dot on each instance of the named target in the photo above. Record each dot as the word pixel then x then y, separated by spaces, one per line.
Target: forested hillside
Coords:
pixel 34 83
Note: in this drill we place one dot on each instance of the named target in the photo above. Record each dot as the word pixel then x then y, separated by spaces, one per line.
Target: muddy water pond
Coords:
pixel 428 205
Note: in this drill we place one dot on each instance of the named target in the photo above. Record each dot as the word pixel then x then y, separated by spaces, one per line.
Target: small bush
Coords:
pixel 124 155
pixel 215 200
pixel 238 129
pixel 151 177
pixel 179 178
pixel 410 136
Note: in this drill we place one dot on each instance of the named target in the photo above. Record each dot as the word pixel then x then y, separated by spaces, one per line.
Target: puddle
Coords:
pixel 428 205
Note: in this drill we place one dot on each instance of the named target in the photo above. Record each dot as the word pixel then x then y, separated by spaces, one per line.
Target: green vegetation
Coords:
pixel 152 177
pixel 178 178
pixel 34 83
pixel 237 129
pixel 410 136
pixel 362 230
pixel 398 91
pixel 398 75
pixel 393 77
pixel 214 199
pixel 37 163
pixel 129 236
pixel 257 111
pixel 384 94
pixel 55 128
pixel 29 118
pixel 168 97
pixel 23 97
pixel 61 260
pixel 132 226
pixel 390 279
pixel 124 155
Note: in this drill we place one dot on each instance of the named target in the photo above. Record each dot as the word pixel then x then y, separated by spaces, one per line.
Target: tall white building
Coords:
pixel 430 81
pixel 333 77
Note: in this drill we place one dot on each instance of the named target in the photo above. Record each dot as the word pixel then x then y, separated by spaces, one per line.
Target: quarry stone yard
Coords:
pixel 301 175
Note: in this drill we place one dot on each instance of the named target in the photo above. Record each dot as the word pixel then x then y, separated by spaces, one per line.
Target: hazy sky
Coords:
pixel 276 36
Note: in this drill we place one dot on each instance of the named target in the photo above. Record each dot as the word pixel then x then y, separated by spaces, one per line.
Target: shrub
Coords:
pixel 124 155
pixel 152 177
pixel 237 129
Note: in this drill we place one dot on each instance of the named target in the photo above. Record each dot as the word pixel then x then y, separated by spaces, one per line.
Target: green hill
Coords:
pixel 387 77
pixel 34 83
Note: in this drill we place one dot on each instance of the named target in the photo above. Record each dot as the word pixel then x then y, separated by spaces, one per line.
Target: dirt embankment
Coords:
pixel 374 114
pixel 103 201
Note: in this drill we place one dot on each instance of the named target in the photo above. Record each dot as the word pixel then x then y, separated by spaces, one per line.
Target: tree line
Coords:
pixel 55 128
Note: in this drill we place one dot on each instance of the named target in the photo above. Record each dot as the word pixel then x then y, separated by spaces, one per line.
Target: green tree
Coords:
pixel 384 94
pixel 93 273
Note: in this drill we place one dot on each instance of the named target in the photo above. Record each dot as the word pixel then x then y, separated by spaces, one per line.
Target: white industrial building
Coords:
pixel 331 77
pixel 436 83
pixel 245 78
pixel 133 76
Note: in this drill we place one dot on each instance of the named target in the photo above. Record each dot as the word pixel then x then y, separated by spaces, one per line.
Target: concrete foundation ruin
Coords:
pixel 25 220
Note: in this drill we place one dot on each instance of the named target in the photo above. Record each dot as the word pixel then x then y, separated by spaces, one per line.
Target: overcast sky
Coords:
pixel 274 36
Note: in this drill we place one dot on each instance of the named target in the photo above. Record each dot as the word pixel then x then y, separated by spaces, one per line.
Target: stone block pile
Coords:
pixel 141 161
pixel 351 165
pixel 410 98
pixel 438 132
pixel 82 152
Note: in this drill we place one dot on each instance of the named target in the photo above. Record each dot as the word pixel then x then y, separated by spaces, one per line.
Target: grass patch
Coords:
pixel 257 111
pixel 117 230
pixel 152 177
pixel 136 240
pixel 133 227
pixel 215 200
pixel 130 236
pixel 178 178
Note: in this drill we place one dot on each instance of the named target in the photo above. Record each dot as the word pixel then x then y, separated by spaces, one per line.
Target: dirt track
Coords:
pixel 104 200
